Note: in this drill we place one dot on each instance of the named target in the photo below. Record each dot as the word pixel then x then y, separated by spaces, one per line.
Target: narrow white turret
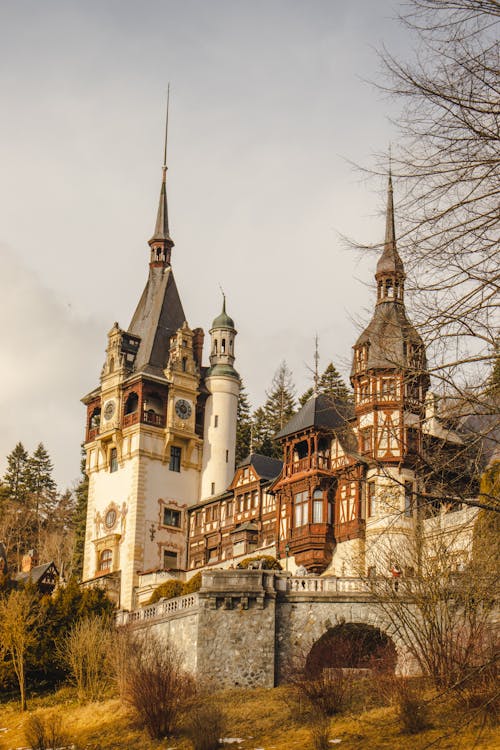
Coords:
pixel 223 383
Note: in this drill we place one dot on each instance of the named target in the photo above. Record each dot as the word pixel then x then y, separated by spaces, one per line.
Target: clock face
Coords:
pixel 183 408
pixel 109 409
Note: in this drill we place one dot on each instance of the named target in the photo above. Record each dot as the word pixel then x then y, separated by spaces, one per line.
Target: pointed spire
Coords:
pixel 161 243
pixel 316 366
pixel 390 273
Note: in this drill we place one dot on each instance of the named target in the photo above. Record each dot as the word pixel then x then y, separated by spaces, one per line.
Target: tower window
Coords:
pixel 216 420
pixel 212 491
pixel 223 346
pixel 409 499
pixel 175 458
pixel 132 403
pixel 215 346
pixel 370 500
pixel 113 460
pixel 184 364
pixel 105 560
pixel 227 457
pixel 171 517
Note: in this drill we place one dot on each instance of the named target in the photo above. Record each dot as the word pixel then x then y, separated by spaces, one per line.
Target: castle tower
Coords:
pixel 223 384
pixel 390 380
pixel 143 449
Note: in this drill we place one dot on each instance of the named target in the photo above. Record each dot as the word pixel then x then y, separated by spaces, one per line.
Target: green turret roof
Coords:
pixel 223 320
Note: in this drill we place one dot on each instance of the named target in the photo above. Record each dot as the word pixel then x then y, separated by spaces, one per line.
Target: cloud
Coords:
pixel 49 358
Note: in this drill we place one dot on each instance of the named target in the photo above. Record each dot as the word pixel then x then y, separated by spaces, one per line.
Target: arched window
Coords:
pixel 105 560
pixel 184 364
pixel 223 346
pixel 153 402
pixel 95 419
pixel 132 403
pixel 111 364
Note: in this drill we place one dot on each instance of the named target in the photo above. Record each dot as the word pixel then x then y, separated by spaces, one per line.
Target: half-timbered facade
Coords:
pixel 240 521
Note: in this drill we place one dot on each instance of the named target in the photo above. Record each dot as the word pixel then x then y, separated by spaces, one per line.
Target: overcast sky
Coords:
pixel 270 104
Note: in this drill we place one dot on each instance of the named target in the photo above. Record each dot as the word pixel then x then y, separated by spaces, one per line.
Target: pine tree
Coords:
pixel 261 435
pixel 243 427
pixel 16 475
pixel 41 486
pixel 80 519
pixel 330 384
pixel 276 412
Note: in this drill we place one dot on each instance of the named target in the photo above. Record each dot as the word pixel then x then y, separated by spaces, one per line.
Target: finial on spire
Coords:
pixel 166 131
pixel 316 366
pixel 161 243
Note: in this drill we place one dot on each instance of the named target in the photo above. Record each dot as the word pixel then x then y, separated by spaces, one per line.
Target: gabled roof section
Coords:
pixel 158 316
pixel 265 467
pixel 319 411
pixel 37 573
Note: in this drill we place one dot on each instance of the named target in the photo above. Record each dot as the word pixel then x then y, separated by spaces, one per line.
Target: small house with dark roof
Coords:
pixel 45 577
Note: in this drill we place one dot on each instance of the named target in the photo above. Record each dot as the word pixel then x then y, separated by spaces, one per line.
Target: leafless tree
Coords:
pixel 19 623
pixel 85 651
pixel 447 159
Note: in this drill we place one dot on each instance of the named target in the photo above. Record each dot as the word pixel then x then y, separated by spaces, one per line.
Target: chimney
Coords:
pixel 198 338
pixel 29 561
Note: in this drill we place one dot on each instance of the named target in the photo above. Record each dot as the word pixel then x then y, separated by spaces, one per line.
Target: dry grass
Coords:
pixel 259 716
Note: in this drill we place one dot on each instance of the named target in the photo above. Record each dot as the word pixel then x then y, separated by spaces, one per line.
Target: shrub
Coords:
pixel 44 734
pixel 167 590
pixel 205 726
pixel 267 562
pixel 157 686
pixel 193 585
pixel 320 732
pixel 413 711
pixel 85 651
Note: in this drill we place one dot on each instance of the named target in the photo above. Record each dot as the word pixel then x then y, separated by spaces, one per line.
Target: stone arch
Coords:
pixel 352 645
pixel 301 624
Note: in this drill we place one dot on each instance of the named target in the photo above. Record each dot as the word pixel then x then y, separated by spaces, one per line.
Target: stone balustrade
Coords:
pixel 326 585
pixel 158 611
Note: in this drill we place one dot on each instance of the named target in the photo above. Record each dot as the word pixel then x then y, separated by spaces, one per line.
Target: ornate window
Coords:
pixel 105 560
pixel 301 503
pixel 113 460
pixel 318 506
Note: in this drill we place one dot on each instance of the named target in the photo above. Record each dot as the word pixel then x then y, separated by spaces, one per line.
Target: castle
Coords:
pixel 165 498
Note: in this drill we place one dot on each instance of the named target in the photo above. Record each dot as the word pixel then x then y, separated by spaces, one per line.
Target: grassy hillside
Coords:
pixel 261 718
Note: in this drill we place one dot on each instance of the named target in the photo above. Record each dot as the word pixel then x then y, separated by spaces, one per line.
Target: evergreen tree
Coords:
pixel 243 426
pixel 80 519
pixel 15 477
pixel 330 384
pixel 276 412
pixel 261 435
pixel 41 486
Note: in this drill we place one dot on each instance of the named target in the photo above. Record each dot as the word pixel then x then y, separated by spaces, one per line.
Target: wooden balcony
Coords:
pixel 310 463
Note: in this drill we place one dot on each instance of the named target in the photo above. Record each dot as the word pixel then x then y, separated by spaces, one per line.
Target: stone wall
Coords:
pixel 248 628
pixel 236 629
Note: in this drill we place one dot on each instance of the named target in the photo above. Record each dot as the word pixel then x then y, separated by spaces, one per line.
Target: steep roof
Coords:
pixel 158 316
pixel 266 467
pixel 36 574
pixel 387 333
pixel 319 411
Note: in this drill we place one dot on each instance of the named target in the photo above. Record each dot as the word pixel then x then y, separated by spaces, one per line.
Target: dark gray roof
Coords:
pixel 158 316
pixel 319 411
pixel 35 574
pixel 266 467
pixel 386 334
pixel 390 262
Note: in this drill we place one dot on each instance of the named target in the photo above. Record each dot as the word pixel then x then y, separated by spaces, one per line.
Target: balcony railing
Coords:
pixel 150 417
pixel 311 462
pixel 131 418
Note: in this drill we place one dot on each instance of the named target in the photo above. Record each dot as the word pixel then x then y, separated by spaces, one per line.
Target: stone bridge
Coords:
pixel 245 627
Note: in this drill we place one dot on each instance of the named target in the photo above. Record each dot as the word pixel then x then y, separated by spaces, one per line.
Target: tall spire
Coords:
pixel 161 243
pixel 390 273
